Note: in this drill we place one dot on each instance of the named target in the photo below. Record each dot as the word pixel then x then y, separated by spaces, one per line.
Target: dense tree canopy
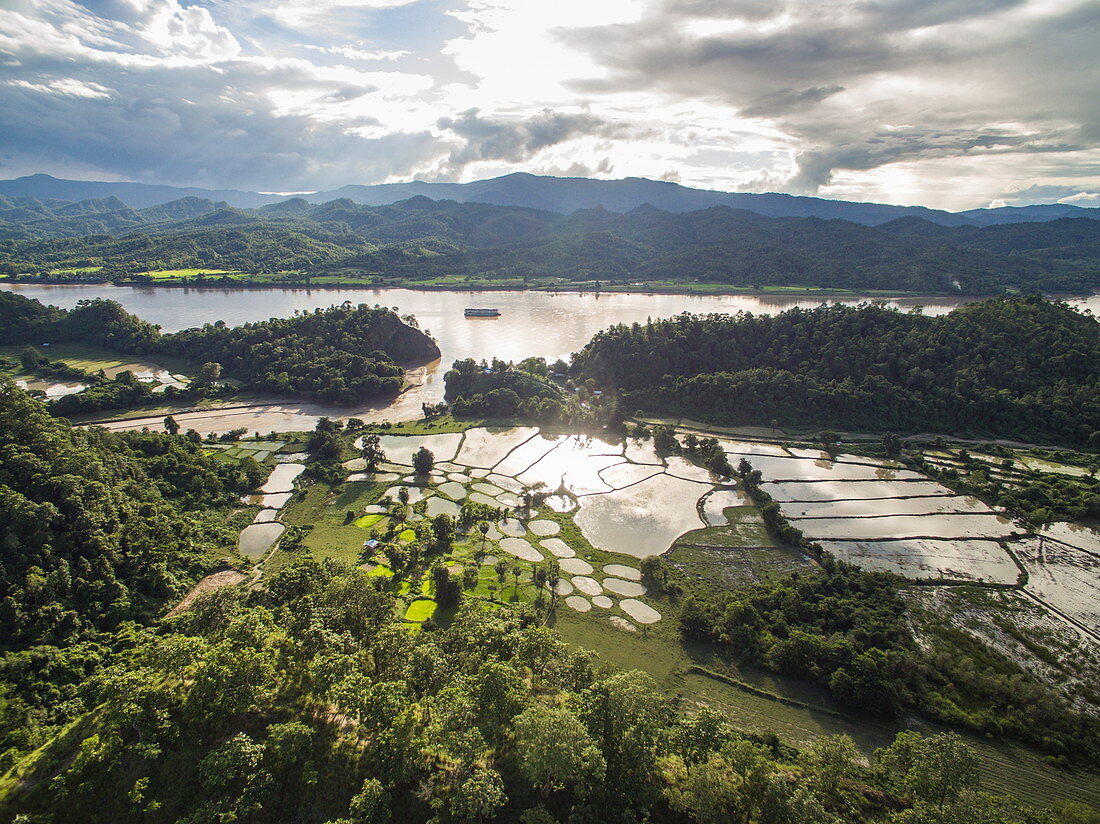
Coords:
pixel 1016 367
pixel 420 238
pixel 341 354
pixel 305 702
pixel 100 527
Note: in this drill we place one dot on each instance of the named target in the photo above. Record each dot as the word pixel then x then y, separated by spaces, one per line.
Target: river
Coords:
pixel 547 324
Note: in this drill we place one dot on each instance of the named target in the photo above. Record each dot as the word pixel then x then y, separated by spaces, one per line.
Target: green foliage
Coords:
pixel 848 630
pixel 305 701
pixel 423 240
pixel 423 461
pixel 341 354
pixel 502 390
pixel 866 368
pixel 97 529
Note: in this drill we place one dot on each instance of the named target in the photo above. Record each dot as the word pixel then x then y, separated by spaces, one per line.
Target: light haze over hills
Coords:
pixel 557 194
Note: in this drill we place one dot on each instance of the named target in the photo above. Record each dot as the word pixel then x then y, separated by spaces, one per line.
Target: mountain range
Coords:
pixel 557 194
pixel 419 241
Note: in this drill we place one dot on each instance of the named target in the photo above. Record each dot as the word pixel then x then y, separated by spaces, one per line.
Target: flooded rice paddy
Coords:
pixel 628 503
pixel 921 559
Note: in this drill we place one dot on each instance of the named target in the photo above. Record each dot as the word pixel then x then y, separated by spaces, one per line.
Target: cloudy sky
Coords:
pixel 946 103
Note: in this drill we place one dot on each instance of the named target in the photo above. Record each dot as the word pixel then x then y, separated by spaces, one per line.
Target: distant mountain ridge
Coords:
pixel 135 195
pixel 423 239
pixel 564 195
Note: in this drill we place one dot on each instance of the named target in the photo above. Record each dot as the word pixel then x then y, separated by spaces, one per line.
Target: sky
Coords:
pixel 951 104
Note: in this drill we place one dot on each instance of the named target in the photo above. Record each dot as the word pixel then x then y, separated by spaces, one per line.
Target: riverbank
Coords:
pixel 660 287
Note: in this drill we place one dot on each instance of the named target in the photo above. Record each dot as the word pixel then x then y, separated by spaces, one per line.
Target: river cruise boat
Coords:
pixel 482 313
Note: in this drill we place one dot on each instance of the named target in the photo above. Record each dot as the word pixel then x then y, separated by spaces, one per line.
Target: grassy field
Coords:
pixel 93 358
pixel 75 270
pixel 436 426
pixel 333 536
pixel 169 274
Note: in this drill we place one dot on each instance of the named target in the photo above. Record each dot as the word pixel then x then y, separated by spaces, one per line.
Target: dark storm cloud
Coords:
pixel 513 140
pixel 786 100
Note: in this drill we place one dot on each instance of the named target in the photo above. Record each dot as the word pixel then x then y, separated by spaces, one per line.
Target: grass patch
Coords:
pixel 94 358
pixel 436 426
pixel 169 274
pixel 723 568
pixel 325 507
pixel 421 610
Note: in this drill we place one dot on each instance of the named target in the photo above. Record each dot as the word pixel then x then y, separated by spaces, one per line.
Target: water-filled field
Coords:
pixel 802 469
pixel 400 448
pixel 627 503
pixel 643 519
pixel 282 478
pixel 1065 577
pixel 1076 535
pixel 932 505
pixel 853 490
pixel 973 560
pixel 907 526
pixel 257 539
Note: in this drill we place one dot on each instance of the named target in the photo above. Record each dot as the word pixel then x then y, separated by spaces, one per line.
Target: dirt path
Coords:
pixel 215 580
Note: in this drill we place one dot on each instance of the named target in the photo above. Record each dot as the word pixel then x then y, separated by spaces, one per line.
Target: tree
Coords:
pixel 423 461
pixel 371 805
pixel 654 572
pixel 664 441
pixel 625 713
pixel 371 452
pixel 30 358
pixel 831 760
pixel 478 796
pixel 443 533
pixel 934 769
pixel 554 750
pixel 170 425
pixel 208 373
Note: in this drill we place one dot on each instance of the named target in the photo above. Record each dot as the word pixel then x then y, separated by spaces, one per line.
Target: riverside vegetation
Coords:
pixel 342 354
pixel 1023 368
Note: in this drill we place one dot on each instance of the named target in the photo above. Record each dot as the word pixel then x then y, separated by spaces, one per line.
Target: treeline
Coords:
pixel 342 354
pixel 501 390
pixel 420 238
pixel 1018 367
pixel 306 702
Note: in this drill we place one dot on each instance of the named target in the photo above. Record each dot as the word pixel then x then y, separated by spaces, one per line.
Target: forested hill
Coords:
pixel 558 194
pixel 421 239
pixel 342 354
pixel 1022 368
pixel 98 528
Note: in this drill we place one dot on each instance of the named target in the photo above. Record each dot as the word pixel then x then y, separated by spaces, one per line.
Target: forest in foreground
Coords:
pixel 306 700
